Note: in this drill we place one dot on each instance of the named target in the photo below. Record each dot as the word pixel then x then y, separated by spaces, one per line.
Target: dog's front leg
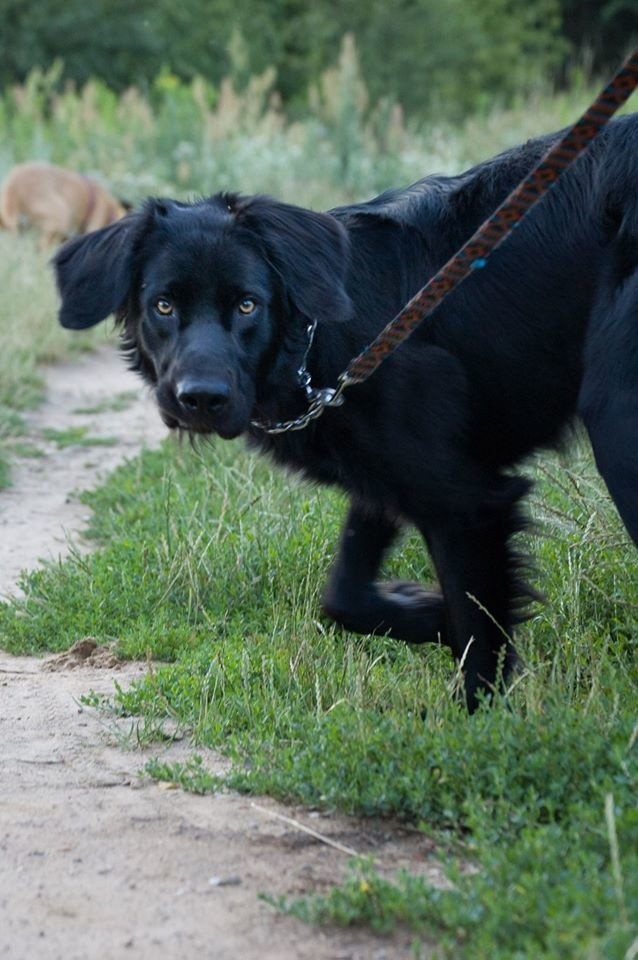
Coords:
pixel 405 611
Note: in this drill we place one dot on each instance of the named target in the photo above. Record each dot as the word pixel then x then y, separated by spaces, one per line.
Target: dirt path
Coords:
pixel 39 511
pixel 96 861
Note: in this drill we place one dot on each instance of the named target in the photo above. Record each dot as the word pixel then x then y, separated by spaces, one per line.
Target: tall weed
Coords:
pixel 194 138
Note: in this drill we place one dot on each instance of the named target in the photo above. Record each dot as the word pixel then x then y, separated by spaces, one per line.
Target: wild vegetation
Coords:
pixel 532 803
pixel 435 57
pixel 212 563
pixel 192 137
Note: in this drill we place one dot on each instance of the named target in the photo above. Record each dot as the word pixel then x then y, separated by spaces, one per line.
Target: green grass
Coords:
pixel 28 450
pixel 191 775
pixel 76 437
pixel 121 401
pixel 214 563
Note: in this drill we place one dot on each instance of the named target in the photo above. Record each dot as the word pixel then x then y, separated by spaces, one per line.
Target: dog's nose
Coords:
pixel 203 397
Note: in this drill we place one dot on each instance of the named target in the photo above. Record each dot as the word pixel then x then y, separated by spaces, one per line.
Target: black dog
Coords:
pixel 215 300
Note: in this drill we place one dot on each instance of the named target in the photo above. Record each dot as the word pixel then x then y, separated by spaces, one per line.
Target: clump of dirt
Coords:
pixel 84 653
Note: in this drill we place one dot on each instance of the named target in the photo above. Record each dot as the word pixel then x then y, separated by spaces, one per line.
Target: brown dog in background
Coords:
pixel 58 203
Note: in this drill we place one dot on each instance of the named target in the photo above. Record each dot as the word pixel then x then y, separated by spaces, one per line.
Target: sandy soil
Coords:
pixel 39 512
pixel 95 859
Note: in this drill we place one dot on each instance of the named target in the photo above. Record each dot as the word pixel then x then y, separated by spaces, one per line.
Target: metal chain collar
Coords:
pixel 318 399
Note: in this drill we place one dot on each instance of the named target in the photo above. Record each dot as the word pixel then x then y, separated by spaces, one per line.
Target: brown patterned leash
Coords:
pixel 473 255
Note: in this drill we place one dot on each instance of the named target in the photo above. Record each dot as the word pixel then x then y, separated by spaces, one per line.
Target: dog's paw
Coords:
pixel 408 593
pixel 415 614
pixel 399 609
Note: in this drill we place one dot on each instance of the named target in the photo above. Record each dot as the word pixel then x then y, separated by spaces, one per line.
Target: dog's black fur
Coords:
pixel 548 331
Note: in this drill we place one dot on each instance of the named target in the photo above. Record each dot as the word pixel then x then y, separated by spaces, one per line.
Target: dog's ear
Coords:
pixel 308 250
pixel 93 273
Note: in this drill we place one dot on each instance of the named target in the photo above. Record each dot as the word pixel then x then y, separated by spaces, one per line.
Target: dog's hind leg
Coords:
pixel 609 396
pixel 480 577
pixel 356 601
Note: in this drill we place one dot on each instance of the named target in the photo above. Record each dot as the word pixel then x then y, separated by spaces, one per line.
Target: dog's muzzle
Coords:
pixel 202 399
pixel 201 406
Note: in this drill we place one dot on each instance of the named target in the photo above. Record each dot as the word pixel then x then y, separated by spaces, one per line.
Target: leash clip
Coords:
pixel 328 396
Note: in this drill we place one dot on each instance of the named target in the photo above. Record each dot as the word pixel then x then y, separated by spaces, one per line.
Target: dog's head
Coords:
pixel 214 298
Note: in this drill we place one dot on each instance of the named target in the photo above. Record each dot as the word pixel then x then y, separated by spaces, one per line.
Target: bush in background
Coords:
pixel 427 54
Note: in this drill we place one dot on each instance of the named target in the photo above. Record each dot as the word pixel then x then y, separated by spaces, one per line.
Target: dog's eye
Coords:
pixel 163 306
pixel 247 305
